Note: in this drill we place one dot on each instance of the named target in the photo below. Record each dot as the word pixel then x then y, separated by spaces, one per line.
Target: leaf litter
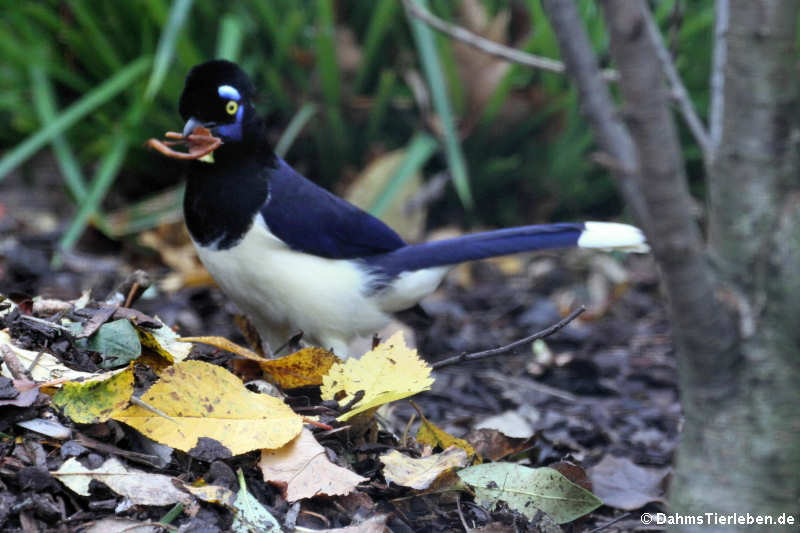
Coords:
pixel 612 375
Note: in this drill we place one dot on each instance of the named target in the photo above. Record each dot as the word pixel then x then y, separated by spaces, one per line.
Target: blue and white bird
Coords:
pixel 292 256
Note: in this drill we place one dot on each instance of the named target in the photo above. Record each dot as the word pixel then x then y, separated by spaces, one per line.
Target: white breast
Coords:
pixel 282 291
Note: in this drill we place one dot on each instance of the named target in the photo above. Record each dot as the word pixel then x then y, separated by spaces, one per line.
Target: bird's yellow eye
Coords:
pixel 231 107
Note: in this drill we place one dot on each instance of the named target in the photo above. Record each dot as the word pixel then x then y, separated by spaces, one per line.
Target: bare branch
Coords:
pixel 718 60
pixel 612 135
pixel 491 47
pixel 678 90
pixel 508 347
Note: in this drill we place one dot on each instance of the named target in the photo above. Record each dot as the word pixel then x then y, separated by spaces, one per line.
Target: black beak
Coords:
pixel 193 123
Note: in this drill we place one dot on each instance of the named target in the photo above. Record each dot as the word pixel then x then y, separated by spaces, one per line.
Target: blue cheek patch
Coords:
pixel 233 131
pixel 228 92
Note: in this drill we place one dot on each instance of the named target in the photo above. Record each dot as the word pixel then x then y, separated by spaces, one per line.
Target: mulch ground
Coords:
pixel 602 389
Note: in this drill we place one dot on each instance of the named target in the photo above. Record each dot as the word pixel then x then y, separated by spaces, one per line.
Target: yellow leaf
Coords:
pixel 164 342
pixel 420 473
pixel 389 372
pixel 95 401
pixel 302 469
pixel 212 494
pixel 300 369
pixel 205 400
pixel 434 436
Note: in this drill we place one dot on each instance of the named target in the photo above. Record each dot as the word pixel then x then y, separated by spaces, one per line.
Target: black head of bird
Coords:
pixel 218 96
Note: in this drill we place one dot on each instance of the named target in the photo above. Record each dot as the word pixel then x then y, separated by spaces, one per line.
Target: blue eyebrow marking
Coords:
pixel 226 91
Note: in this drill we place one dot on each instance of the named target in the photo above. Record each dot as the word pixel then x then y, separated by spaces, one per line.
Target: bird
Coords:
pixel 293 256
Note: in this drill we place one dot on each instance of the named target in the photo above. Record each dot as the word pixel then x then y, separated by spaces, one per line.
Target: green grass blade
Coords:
pixel 98 96
pixel 102 181
pixel 382 17
pixel 161 208
pixel 294 128
pixel 381 103
pixel 420 149
pixel 334 148
pixel 166 46
pixel 424 39
pixel 44 102
pixel 229 40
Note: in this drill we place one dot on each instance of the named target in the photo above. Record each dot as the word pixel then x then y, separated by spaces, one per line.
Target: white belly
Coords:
pixel 282 291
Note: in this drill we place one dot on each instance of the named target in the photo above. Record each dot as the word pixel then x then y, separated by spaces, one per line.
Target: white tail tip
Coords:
pixel 613 236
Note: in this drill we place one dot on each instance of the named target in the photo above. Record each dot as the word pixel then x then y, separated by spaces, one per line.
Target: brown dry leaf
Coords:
pixel 624 485
pixel 434 436
pixel 494 445
pixel 300 369
pixel 205 400
pixel 481 73
pixel 18 392
pixel 139 487
pixel 302 470
pixel 421 473
pixel 173 244
pixel 389 372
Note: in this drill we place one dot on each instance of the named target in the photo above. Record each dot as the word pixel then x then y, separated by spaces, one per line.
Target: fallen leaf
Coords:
pixel 510 423
pixel 300 369
pixel 139 487
pixel 434 436
pixel 212 494
pixel 17 392
pixel 624 485
pixel 47 367
pixel 117 342
pixel 422 472
pixel 302 470
pixel 529 490
pixel 114 524
pixel 224 344
pixel 374 524
pixel 95 401
pixel 494 445
pixel 251 516
pixel 164 342
pixel 389 372
pixel 205 400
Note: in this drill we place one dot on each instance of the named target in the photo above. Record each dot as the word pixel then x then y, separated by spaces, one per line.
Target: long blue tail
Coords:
pixel 508 241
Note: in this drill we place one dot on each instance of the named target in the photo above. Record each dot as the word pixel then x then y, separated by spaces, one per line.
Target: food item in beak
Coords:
pixel 201 143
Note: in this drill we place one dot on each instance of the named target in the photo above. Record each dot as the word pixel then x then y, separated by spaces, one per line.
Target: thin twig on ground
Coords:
pixel 508 347
pixel 491 47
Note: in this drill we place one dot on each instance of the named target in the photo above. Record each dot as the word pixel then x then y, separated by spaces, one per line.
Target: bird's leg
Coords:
pixel 293 344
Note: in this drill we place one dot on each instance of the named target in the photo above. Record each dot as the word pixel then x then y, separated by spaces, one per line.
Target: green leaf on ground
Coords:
pixel 529 490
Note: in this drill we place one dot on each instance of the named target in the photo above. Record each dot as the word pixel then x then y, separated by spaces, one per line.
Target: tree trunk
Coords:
pixel 733 308
pixel 742 454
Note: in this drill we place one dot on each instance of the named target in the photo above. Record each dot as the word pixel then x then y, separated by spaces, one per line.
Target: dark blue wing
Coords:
pixel 310 219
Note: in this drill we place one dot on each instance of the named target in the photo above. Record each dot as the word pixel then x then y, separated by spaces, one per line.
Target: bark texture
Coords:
pixel 733 307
